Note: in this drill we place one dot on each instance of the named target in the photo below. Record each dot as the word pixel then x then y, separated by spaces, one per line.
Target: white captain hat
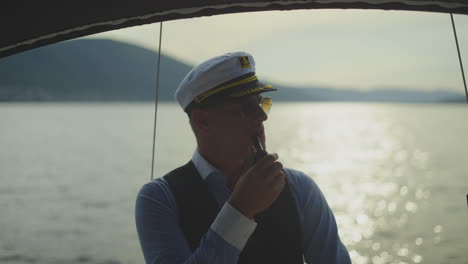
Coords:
pixel 229 76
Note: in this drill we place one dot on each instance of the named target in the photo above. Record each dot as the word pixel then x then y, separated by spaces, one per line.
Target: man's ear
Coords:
pixel 200 119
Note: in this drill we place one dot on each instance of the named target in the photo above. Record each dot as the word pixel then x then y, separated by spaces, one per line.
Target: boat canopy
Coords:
pixel 25 25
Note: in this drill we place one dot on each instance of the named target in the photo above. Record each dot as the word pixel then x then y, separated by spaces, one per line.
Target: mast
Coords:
pixel 156 99
pixel 459 56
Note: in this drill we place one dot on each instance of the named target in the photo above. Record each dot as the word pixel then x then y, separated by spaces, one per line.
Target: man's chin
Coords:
pixel 247 153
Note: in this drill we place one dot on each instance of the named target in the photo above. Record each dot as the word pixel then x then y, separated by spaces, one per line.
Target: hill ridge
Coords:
pixel 107 70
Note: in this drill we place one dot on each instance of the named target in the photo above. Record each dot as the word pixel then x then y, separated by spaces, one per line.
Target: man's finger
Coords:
pixel 273 169
pixel 266 161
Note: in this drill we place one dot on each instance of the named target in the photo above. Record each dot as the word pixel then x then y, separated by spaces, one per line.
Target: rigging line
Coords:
pixel 459 56
pixel 156 99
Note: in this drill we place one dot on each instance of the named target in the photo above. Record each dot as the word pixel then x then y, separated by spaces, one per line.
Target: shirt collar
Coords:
pixel 202 165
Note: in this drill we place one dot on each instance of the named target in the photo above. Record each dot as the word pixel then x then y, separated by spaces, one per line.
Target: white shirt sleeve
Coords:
pixel 233 226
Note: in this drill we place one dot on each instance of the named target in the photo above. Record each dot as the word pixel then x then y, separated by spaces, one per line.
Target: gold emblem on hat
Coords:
pixel 244 62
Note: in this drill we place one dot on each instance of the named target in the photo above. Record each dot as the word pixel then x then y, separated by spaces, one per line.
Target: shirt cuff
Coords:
pixel 233 226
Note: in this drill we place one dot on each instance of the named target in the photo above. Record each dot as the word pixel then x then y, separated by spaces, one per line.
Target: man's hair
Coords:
pixel 206 106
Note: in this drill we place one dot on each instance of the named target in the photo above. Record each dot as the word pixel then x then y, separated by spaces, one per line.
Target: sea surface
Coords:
pixel 395 175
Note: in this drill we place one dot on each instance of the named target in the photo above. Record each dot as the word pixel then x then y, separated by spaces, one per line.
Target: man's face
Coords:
pixel 236 123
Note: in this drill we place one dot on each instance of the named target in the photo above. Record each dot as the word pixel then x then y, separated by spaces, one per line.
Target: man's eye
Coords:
pixel 249 106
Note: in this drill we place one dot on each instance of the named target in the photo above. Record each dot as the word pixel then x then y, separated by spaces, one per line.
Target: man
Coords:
pixel 230 203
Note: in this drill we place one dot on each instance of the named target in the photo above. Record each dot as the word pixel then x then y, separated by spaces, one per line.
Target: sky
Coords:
pixel 350 49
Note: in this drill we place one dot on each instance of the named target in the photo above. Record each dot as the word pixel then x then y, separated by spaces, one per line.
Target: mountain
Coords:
pixel 106 70
pixel 92 70
pixel 385 95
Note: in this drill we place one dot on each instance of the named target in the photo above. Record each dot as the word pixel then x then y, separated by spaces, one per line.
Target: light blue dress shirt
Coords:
pixel 163 241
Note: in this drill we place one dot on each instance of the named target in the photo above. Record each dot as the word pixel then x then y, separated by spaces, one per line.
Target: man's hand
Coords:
pixel 259 186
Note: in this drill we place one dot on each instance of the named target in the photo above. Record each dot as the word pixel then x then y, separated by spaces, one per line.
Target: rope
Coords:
pixel 156 99
pixel 459 56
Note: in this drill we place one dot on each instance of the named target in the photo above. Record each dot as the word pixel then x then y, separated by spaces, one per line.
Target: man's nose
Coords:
pixel 260 114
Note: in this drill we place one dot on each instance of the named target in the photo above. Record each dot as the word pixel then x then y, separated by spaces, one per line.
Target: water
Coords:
pixel 395 176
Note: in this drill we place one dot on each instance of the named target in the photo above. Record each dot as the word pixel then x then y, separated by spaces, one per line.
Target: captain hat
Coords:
pixel 229 76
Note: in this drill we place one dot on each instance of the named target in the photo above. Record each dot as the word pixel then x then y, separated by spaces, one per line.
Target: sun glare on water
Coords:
pixel 372 171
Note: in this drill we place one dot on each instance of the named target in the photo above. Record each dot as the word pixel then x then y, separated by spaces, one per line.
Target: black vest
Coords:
pixel 276 239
